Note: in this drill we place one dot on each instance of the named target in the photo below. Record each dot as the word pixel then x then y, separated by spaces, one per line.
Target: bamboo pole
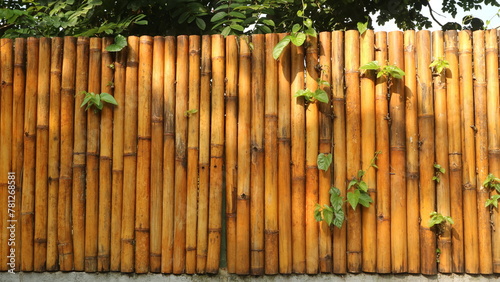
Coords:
pixel 129 156
pixel 339 147
pixel 493 111
pixel 156 152
pixel 53 161
pixel 29 152
pixel 325 147
pixel 192 153
pixel 469 157
pixel 64 228
pixel 284 142
pixel 19 85
pixel 181 104
pixel 369 227
pixel 204 158
pixel 398 159
pixel 167 226
pixel 257 217
pixel 216 153
pixel 311 168
pixel 481 123
pixel 455 149
pixel 442 188
pixel 79 149
pixel 353 148
pixel 92 171
pixel 383 162
pixel 243 180
pixel 143 193
pixel 105 163
pixel 117 166
pixel 6 126
pixel 425 110
pixel 42 136
pixel 412 177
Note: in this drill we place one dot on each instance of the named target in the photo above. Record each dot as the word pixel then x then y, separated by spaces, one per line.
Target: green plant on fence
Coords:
pixel 96 100
pixel 438 170
pixel 437 223
pixel 191 112
pixel 439 65
pixel 359 193
pixel 333 214
pixel 324 161
pixel 362 27
pixel 492 183
pixel 317 95
pixel 389 71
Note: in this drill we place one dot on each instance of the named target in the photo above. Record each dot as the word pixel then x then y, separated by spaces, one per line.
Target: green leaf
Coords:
pixel 219 16
pixel 201 23
pixel 353 198
pixel 311 32
pixel 88 97
pixel 339 217
pixel 393 71
pixel 317 213
pixel 321 95
pixel 296 28
pixel 120 43
pixel 308 23
pixel 335 199
pixel 363 186
pixel 362 27
pixel 237 27
pixel 365 199
pixel 237 15
pixel 191 112
pixel 450 220
pixel 328 215
pixel 324 161
pixel 298 39
pixel 225 32
pixel 373 65
pixel 278 49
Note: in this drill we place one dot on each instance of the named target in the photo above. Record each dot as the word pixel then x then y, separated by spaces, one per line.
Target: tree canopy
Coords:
pixel 175 17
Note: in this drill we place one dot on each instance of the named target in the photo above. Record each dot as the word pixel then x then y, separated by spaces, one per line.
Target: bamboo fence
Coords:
pixel 209 160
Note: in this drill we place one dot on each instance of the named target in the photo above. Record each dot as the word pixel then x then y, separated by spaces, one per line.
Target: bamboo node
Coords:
pixel 40 240
pixel 214 230
pixel 243 197
pixel 469 187
pixel 190 249
pixel 154 255
pixel 271 232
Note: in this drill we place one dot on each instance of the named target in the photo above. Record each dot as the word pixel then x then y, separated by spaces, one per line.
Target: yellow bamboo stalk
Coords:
pixel 283 135
pixel 156 152
pixel 339 147
pixel 64 228
pixel 325 147
pixel 426 155
pixel 469 157
pixel 383 162
pixel 243 181
pixel 192 153
pixel 42 136
pixel 216 153
pixel 167 246
pixel 231 152
pixel 129 156
pixel 204 158
pixel 369 227
pixel 80 147
pixel 143 193
pixel 455 149
pixel 29 177
pixel 257 224
pixel 353 148
pixel 481 123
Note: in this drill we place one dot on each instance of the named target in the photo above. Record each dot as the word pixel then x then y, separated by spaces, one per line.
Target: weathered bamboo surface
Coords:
pixel 209 160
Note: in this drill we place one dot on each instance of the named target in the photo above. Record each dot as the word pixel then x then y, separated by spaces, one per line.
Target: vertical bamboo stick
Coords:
pixel 398 158
pixel 283 135
pixel 298 127
pixel 53 162
pixel 425 110
pixel 231 152
pixel 167 226
pixel 129 156
pixel 325 147
pixel 455 149
pixel 192 152
pixel 19 85
pixel 353 133
pixel 493 109
pixel 117 166
pixel 311 168
pixel 42 136
pixel 143 193
pixel 156 152
pixel 29 152
pixel 181 104
pixel 469 157
pixel 64 228
pixel 80 147
pixel 216 153
pixel 92 171
pixel 383 162
pixel 6 126
pixel 204 158
pixel 257 224
pixel 243 180
pixel 105 160
pixel 369 227
pixel 481 123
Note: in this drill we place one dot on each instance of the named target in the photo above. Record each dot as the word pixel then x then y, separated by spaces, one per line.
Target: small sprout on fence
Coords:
pixel 438 65
pixel 389 71
pixel 437 219
pixel 324 161
pixel 110 84
pixel 362 27
pixel 333 214
pixel 491 183
pixel 96 100
pixel 438 170
pixel 111 66
pixel 191 112
pixel 310 97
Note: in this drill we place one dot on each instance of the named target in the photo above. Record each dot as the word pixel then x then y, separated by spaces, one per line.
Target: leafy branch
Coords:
pixel 439 65
pixel 493 183
pixel 389 71
pixel 96 100
pixel 438 170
